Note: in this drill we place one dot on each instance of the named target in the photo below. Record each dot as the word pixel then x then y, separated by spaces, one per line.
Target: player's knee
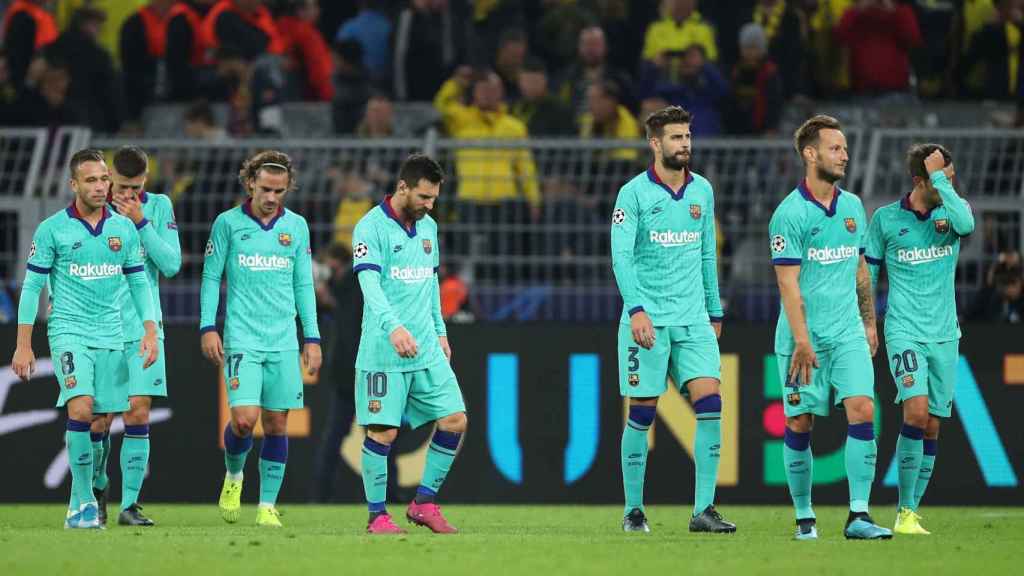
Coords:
pixel 916 416
pixel 931 430
pixel 80 409
pixel 644 401
pixel 800 424
pixel 383 435
pixel 859 409
pixel 138 414
pixel 454 423
pixel 243 426
pixel 275 422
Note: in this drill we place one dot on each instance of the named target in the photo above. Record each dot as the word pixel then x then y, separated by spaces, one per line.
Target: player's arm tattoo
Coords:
pixel 865 297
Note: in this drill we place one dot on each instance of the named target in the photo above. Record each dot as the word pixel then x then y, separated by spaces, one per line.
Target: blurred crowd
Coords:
pixel 585 68
pixel 489 69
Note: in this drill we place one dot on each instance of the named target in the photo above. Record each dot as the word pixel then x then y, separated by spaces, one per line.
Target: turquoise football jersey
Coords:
pixel 920 253
pixel 404 264
pixel 664 250
pixel 826 243
pixel 158 234
pixel 269 270
pixel 87 269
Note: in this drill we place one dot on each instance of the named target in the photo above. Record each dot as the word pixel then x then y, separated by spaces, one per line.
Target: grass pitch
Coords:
pixel 192 540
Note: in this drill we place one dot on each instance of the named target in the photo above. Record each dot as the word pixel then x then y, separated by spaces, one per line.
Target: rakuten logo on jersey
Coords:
pixel 829 255
pixel 670 238
pixel 915 256
pixel 411 275
pixel 94 271
pixel 259 263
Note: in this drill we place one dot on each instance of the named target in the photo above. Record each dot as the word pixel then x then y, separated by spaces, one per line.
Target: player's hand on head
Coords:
pixel 312 357
pixel 23 363
pixel 403 342
pixel 643 330
pixel 212 348
pixel 934 161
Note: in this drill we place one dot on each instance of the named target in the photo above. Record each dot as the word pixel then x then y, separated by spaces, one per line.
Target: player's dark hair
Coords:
pixel 131 161
pixel 918 152
pixel 656 121
pixel 419 167
pixel 808 132
pixel 271 161
pixel 83 156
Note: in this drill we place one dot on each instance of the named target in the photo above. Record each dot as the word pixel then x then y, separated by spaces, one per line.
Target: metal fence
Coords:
pixel 548 261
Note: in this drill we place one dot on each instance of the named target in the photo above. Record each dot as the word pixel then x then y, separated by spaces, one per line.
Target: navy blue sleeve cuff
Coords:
pixel 873 261
pixel 142 224
pixel 360 267
pixel 133 269
pixel 311 340
pixel 716 318
pixel 206 329
pixel 635 309
pixel 37 269
pixel 786 261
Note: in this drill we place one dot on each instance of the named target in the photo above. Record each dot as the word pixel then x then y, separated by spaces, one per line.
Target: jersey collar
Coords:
pixel 652 175
pixel 922 216
pixel 247 209
pixel 806 193
pixel 386 207
pixel 72 212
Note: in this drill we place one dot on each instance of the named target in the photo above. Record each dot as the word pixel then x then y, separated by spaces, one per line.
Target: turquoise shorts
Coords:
pixel 150 381
pixel 97 372
pixel 846 368
pixel 422 396
pixel 682 352
pixel 925 369
pixel 270 380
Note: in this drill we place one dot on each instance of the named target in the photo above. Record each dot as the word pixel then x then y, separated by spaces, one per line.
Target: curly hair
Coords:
pixel 273 162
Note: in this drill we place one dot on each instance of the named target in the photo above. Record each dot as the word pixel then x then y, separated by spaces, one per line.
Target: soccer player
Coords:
pixel 85 250
pixel 153 216
pixel 663 256
pixel 825 336
pixel 264 250
pixel 918 240
pixel 403 363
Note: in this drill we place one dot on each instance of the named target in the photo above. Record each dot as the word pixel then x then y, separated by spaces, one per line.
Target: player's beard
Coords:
pixel 412 214
pixel 675 162
pixel 827 176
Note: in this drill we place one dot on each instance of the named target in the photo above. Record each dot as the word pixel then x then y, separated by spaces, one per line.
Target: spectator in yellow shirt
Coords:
pixel 606 117
pixel 681 27
pixel 486 176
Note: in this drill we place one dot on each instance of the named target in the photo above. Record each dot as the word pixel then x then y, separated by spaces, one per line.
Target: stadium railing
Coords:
pixel 551 263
